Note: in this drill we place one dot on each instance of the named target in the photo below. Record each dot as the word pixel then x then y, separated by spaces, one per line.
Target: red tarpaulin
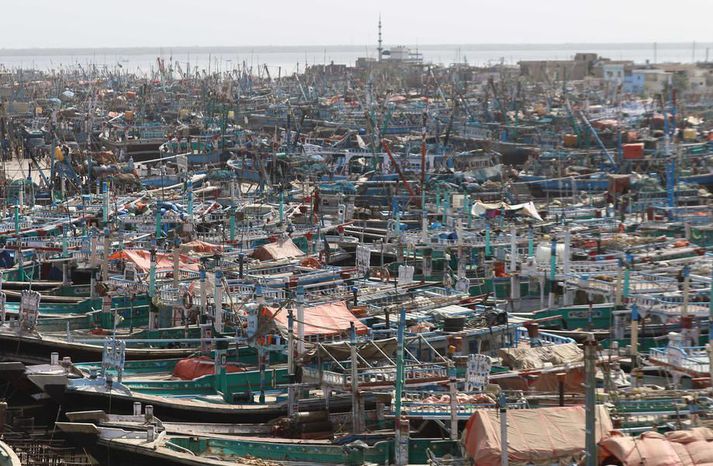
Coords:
pixel 201 246
pixel 192 368
pixel 534 435
pixel 324 320
pixel 164 262
pixel 682 447
pixel 282 249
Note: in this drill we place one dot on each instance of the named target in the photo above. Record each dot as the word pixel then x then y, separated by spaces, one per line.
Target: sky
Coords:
pixel 162 23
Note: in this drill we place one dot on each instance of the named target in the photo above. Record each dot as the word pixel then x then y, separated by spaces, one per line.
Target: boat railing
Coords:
pixel 182 274
pixel 592 284
pixel 241 291
pixel 10 227
pixel 211 238
pixel 414 237
pixel 544 337
pixel 25 242
pixel 608 222
pixel 639 283
pixel 169 295
pixel 80 255
pixel 154 342
pixel 220 217
pixel 642 284
pixel 379 376
pixel 689 359
pixel 260 273
pixel 667 306
pixel 585 267
pixel 334 293
pixel 571 213
pixel 642 407
pixel 121 283
pixel 437 404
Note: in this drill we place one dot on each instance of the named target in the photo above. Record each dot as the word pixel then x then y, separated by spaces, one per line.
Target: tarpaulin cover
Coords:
pixel 527 209
pixel 164 262
pixel 324 320
pixel 543 381
pixel 679 448
pixel 201 246
pixel 535 358
pixel 282 249
pixel 192 368
pixel 534 435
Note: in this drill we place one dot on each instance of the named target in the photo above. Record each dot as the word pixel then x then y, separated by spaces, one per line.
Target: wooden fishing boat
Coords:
pixel 147 447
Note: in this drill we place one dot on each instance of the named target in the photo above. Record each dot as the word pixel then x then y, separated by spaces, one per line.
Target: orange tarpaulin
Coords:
pixel 201 246
pixel 534 435
pixel 324 320
pixel 164 262
pixel 282 249
pixel 192 368
pixel 682 447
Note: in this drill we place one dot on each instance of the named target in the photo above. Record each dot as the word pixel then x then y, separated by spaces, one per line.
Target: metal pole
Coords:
pixel 504 450
pixel 356 421
pixel 152 272
pixel 105 255
pixel 218 302
pixel 710 317
pixel 176 264
pixel 203 291
pixel 488 251
pixel 282 207
pixel 567 252
pixel 686 330
pixel 513 249
pixel 232 226
pixel 619 288
pixel 300 299
pixel 590 356
pixel 709 350
pixel 453 402
pixel 400 460
pixel 686 290
pixel 635 335
pixel 189 189
pixel 105 188
pixel 290 345
pixel 553 271
pixel 530 242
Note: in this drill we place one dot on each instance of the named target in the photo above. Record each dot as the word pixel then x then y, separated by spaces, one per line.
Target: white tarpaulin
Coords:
pixel 528 209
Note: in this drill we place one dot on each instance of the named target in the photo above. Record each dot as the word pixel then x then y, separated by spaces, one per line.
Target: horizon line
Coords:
pixel 299 47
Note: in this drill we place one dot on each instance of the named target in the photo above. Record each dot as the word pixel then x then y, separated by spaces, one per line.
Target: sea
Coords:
pixel 282 60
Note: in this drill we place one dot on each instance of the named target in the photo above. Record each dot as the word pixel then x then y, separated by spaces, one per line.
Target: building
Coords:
pixel 613 72
pixel 401 54
pixel 649 81
pixel 633 83
pixel 560 70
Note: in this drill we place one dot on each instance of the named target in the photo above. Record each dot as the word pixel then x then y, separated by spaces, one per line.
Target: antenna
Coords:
pixel 380 49
pixel 655 53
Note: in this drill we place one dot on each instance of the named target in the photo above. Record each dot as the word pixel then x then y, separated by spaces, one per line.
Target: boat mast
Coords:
pixel 590 355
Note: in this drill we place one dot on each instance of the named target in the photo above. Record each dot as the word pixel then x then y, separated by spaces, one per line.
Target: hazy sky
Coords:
pixel 102 23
